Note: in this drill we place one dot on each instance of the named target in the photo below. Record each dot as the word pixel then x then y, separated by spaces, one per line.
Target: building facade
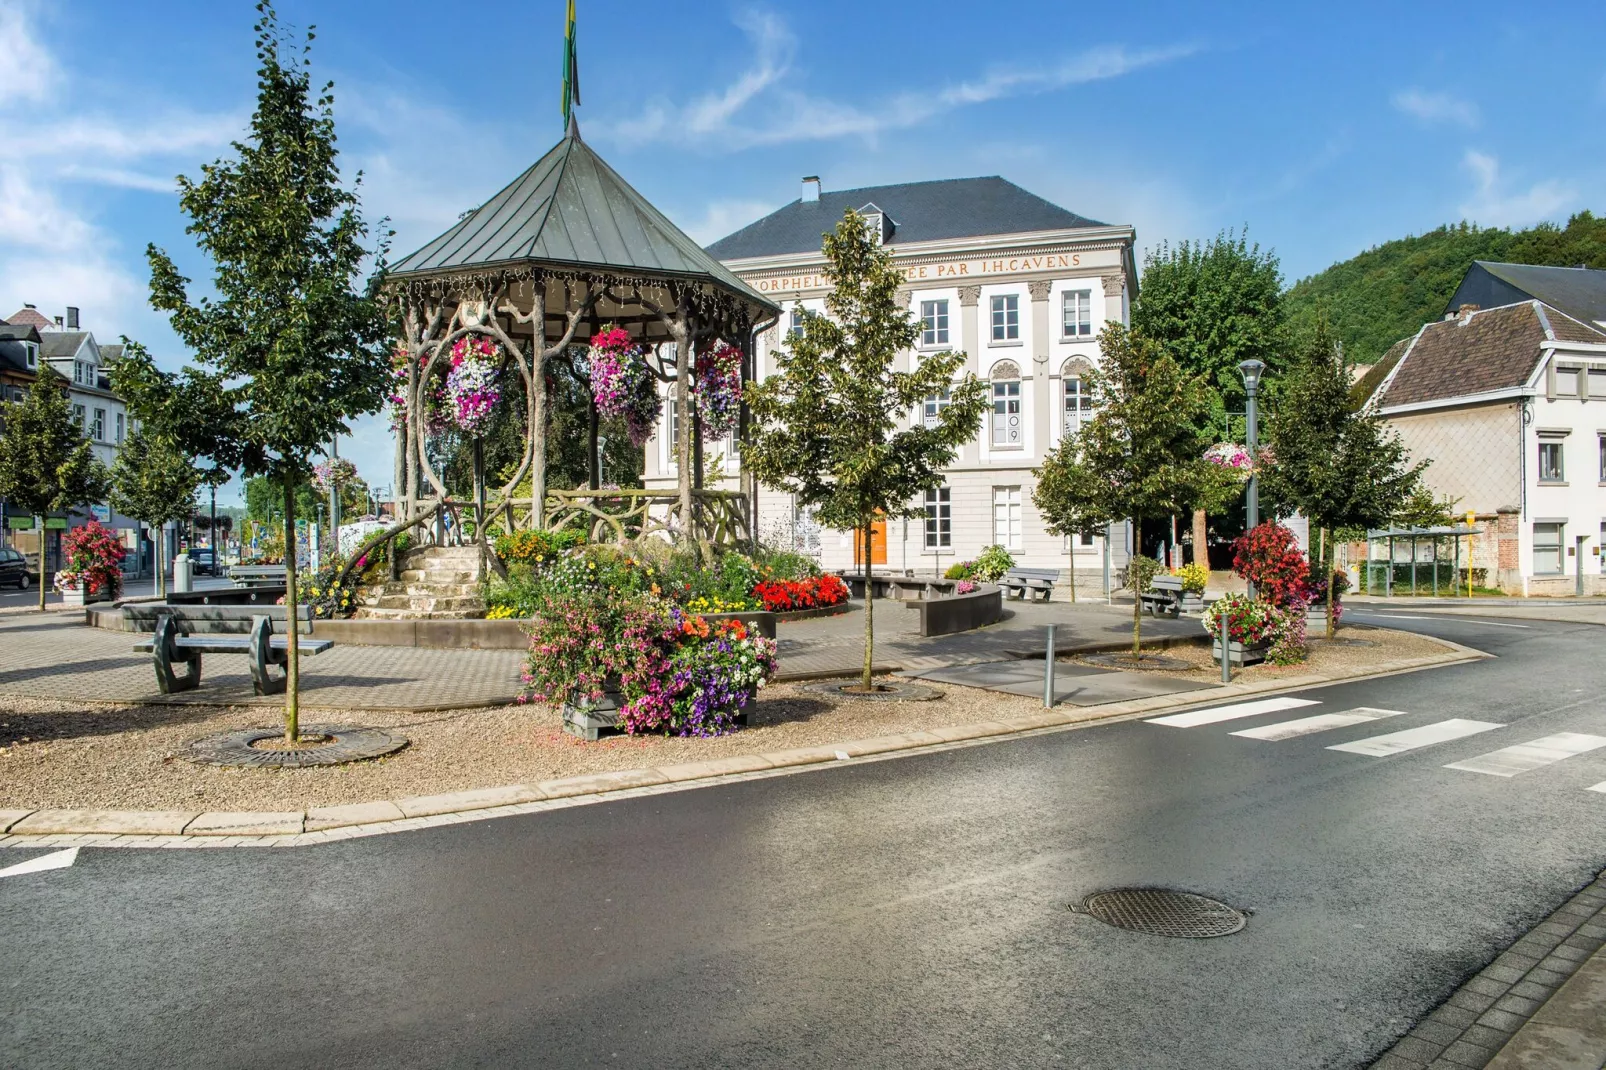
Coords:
pixel 1021 286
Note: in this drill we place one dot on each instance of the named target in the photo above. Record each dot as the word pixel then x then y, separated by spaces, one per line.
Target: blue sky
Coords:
pixel 1324 133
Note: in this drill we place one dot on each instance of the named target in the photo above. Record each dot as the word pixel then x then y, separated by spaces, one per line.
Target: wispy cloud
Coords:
pixel 757 108
pixel 29 72
pixel 1437 108
pixel 1494 204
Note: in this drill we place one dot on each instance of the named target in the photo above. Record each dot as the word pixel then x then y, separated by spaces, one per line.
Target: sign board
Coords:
pixel 55 523
pixel 102 513
pixel 19 523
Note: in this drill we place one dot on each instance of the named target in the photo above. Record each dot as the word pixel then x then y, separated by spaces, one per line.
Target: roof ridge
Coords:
pixel 1544 320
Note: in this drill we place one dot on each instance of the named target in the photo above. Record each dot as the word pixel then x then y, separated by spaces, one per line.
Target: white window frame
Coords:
pixel 795 323
pixel 1559 547
pixel 1007 418
pixel 931 408
pixel 122 428
pixel 1547 444
pixel 939 522
pixel 1007 517
pixel 934 323
pixel 80 416
pixel 98 426
pixel 1076 405
pixel 1004 312
pixel 1076 314
pixel 31 352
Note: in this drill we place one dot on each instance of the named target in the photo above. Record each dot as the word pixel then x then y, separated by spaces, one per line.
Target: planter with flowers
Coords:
pixel 621 383
pixel 1253 626
pixel 94 565
pixel 1194 576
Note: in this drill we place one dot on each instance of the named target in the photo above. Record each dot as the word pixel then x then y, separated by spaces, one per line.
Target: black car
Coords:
pixel 205 559
pixel 14 569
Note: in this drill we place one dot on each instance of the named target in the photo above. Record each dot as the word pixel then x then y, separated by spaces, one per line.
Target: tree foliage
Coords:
pixel 1384 294
pixel 1067 498
pixel 154 482
pixel 832 425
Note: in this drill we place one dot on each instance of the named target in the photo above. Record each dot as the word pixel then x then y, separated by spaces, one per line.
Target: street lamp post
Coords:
pixel 1252 370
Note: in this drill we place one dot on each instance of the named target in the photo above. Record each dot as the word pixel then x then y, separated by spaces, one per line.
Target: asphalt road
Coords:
pixel 900 913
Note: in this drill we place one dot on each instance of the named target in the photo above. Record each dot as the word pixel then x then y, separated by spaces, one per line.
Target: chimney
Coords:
pixel 1461 310
pixel 58 323
pixel 72 317
pixel 811 189
pixel 27 305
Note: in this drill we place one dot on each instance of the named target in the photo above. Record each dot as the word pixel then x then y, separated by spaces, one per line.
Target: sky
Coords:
pixel 1321 133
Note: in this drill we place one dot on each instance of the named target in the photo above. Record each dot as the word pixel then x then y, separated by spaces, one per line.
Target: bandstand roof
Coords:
pixel 571 212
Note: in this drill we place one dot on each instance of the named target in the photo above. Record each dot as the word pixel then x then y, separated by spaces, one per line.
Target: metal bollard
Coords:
pixel 1048 671
pixel 1226 654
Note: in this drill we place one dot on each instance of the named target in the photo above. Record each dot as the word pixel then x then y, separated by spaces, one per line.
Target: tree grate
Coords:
pixel 1163 912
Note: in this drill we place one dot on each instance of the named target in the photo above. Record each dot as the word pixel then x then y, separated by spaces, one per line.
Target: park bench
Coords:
pixel 1164 598
pixel 170 646
pixel 1019 582
pixel 257 575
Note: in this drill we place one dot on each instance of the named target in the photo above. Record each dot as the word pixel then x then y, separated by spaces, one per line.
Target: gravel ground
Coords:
pixel 1357 648
pixel 71 756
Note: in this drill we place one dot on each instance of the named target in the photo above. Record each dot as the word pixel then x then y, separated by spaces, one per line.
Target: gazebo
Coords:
pixel 566 247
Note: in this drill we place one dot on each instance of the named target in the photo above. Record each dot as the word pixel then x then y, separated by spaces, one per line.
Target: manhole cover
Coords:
pixel 1147 663
pixel 1162 912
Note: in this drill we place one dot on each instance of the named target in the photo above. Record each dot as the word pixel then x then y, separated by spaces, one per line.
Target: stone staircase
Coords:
pixel 437 583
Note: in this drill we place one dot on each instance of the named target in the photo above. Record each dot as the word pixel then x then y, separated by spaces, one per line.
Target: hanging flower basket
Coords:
pixel 621 383
pixel 1231 456
pixel 719 388
pixel 332 473
pixel 471 390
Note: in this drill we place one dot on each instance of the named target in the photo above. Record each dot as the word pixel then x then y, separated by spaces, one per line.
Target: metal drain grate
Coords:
pixel 1162 912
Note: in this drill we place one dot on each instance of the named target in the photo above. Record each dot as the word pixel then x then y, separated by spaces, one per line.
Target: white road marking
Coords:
pixel 53 860
pixel 1601 787
pixel 1412 738
pixel 1447 617
pixel 1509 761
pixel 1322 722
pixel 1196 718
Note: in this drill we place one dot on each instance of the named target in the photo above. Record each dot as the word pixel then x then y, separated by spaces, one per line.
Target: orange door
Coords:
pixel 878 544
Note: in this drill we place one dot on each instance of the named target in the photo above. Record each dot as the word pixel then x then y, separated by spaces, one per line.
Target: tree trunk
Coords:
pixel 869 611
pixel 1131 581
pixel 292 667
pixel 161 577
pixel 1201 538
pixel 538 438
pixel 42 576
pixel 1073 568
pixel 684 336
pixel 1326 550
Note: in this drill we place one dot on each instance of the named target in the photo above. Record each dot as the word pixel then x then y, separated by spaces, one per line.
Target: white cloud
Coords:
pixel 29 71
pixel 1493 204
pixel 756 108
pixel 1437 108
pixel 720 218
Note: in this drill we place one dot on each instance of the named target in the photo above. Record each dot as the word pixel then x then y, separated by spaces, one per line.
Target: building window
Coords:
pixel 1551 469
pixel 122 427
pixel 931 413
pixel 98 429
pixel 31 349
pixel 796 328
pixel 1006 406
pixel 78 415
pixel 1602 447
pixel 1006 517
pixel 1006 318
pixel 939 519
pixel 934 323
pixel 1078 313
pixel 1078 404
pixel 1547 549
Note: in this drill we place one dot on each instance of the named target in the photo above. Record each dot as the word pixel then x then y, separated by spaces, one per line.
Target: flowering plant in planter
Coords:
pixel 1268 556
pixel 591 640
pixel 621 384
pixel 94 558
pixel 965 587
pixel 1194 576
pixel 471 389
pixel 1250 621
pixel 714 671
pixel 718 373
pixel 780 596
pixel 321 591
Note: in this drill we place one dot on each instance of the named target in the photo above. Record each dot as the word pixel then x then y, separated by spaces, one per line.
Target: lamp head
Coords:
pixel 1251 371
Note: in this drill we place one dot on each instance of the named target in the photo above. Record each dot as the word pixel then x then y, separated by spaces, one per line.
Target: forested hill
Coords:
pixel 1375 299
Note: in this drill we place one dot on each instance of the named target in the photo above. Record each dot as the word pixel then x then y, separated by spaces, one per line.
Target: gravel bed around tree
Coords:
pixel 77 756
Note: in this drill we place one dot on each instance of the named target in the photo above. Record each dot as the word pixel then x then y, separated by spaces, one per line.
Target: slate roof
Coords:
pixel 920 211
pixel 571 208
pixel 1489 350
pixel 1579 292
pixel 56 345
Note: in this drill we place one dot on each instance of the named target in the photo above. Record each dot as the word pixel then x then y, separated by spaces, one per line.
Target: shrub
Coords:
pixel 319 590
pixel 960 570
pixel 536 548
pixel 785 565
pixel 516 596
pixel 992 563
pixel 1269 557
pixel 713 670
pixel 600 567
pixel 591 639
pixel 1140 573
pixel 1195 576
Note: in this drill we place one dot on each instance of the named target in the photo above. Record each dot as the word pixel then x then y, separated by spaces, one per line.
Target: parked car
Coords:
pixel 14 569
pixel 205 559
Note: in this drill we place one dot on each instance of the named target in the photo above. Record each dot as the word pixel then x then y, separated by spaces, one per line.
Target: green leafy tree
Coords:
pixel 1212 305
pixel 154 482
pixel 46 465
pixel 296 343
pixel 1066 498
pixel 1336 463
pixel 832 425
pixel 1142 455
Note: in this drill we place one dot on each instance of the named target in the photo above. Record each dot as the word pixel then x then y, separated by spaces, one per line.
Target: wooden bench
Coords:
pixel 170 646
pixel 1019 582
pixel 1165 598
pixel 257 575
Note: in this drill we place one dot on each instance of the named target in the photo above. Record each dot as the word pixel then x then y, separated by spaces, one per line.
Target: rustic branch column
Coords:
pixel 537 438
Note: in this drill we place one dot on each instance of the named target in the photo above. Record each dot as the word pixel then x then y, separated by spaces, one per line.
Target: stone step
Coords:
pixel 439 575
pixel 460 590
pixel 430 602
pixel 372 613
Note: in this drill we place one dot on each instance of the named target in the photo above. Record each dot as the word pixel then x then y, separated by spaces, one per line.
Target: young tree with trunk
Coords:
pixel 1212 305
pixel 46 465
pixel 295 338
pixel 154 482
pixel 1066 498
pixel 832 426
pixel 1142 454
pixel 1335 462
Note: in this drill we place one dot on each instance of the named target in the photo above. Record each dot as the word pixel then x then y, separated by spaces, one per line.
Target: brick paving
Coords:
pixel 54 655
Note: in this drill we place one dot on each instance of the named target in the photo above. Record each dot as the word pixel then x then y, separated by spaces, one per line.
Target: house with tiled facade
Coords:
pixel 1508 406
pixel 1020 285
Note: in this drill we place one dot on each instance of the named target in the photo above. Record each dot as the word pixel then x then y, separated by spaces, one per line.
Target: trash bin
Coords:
pixel 183 574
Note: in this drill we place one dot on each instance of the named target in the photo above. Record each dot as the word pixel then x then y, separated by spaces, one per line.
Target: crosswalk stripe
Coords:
pixel 1412 738
pixel 1195 718
pixel 1509 761
pixel 1322 722
pixel 1601 787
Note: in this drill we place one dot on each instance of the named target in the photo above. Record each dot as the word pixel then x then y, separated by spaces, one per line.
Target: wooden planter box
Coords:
pixel 1238 654
pixel 1192 603
pixel 590 719
pixel 74 596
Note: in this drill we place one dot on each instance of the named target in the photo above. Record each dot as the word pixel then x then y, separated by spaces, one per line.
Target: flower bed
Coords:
pixel 816 592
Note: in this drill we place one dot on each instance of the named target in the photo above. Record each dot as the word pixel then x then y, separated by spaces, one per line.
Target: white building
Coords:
pixel 1020 285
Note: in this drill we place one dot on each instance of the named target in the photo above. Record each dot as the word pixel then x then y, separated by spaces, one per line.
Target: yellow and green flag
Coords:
pixel 571 69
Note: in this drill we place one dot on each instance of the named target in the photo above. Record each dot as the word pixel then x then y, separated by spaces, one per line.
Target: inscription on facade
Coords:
pixel 941 271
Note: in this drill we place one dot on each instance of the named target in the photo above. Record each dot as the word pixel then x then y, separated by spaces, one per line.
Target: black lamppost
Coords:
pixel 1252 370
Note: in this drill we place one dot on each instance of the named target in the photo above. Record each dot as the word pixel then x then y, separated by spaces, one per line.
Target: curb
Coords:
pixel 158 828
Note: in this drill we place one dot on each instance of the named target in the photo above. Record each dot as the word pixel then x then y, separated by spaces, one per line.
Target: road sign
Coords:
pixel 102 513
pixel 19 523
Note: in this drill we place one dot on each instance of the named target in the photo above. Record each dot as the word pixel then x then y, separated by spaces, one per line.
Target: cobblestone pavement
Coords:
pixel 54 655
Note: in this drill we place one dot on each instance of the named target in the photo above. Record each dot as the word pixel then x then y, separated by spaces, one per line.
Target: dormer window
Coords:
pixel 880 226
pixel 31 351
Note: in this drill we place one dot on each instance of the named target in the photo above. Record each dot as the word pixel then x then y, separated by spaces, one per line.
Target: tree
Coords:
pixel 1066 498
pixel 46 465
pixel 832 425
pixel 295 348
pixel 154 482
pixel 1142 454
pixel 1336 463
pixel 1212 306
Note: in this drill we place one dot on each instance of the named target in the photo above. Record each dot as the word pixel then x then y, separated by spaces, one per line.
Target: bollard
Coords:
pixel 1048 671
pixel 1226 654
